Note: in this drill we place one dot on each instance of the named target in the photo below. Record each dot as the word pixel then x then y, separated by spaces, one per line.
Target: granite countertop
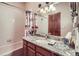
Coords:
pixel 59 47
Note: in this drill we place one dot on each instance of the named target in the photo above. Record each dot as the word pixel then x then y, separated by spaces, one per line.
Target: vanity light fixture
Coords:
pixel 47 2
pixel 41 10
pixel 39 5
pixel 47 9
pixel 52 7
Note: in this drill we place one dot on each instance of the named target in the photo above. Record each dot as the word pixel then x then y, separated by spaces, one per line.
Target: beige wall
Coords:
pixel 66 21
pixel 33 6
pixel 20 5
pixel 12 21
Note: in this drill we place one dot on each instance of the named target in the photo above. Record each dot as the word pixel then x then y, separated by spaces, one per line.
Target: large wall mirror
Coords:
pixel 57 22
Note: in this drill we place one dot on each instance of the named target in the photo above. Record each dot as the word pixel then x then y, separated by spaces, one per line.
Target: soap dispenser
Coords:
pixel 72 40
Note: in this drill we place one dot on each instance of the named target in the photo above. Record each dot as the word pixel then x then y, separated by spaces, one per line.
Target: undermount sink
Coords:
pixel 51 42
pixel 44 41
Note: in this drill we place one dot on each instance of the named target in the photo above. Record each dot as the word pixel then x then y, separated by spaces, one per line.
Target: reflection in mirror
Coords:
pixel 65 20
pixel 30 27
pixel 42 24
pixel 57 23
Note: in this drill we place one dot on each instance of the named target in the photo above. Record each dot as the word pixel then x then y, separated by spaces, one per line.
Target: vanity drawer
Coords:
pixel 43 51
pixel 25 42
pixel 31 52
pixel 25 50
pixel 31 45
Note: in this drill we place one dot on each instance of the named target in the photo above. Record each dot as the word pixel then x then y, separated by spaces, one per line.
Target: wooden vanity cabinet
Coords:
pixel 45 52
pixel 31 49
pixel 31 45
pixel 41 51
pixel 25 47
pixel 25 50
pixel 31 52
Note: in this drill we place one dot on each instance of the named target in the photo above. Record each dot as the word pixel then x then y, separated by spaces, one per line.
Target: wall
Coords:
pixel 66 21
pixel 20 5
pixel 33 6
pixel 12 21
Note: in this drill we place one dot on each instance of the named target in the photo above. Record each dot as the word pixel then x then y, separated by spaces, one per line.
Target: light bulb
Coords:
pixel 41 10
pixel 46 8
pixel 44 11
pixel 52 8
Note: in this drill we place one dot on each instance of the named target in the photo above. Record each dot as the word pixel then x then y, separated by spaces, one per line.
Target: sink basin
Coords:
pixel 42 41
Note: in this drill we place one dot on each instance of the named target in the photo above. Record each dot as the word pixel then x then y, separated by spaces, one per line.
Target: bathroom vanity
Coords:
pixel 38 46
pixel 31 49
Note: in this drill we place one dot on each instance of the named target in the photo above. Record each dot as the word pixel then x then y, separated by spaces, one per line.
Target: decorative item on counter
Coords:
pixel 34 30
pixel 72 45
pixel 35 26
pixel 73 39
pixel 68 36
pixel 66 41
pixel 46 36
pixel 26 30
pixel 77 53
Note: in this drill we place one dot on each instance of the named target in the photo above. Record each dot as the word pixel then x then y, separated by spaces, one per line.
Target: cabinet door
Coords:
pixel 42 51
pixel 31 45
pixel 25 42
pixel 31 52
pixel 54 24
pixel 25 47
pixel 25 50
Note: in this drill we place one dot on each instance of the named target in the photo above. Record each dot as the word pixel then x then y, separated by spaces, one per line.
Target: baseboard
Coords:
pixel 18 52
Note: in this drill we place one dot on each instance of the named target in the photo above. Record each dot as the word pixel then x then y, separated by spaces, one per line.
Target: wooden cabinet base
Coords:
pixel 31 52
pixel 31 49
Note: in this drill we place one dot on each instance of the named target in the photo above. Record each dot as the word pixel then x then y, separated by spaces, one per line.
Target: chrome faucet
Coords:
pixel 46 36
